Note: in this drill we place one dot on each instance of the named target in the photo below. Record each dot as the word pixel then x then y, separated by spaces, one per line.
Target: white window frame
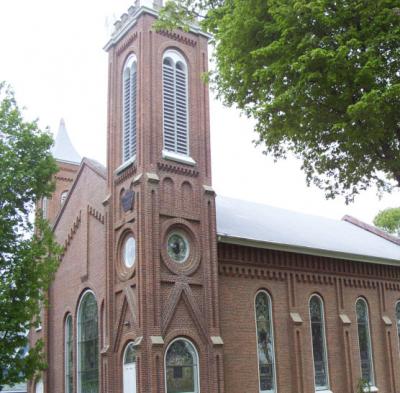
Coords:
pixel 78 360
pixel 197 374
pixel 66 384
pixel 133 344
pixel 273 340
pixel 174 155
pixel 324 389
pixel 129 63
pixel 397 324
pixel 372 384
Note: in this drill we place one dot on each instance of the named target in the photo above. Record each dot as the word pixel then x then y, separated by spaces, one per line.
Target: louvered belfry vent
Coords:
pixel 175 103
pixel 129 109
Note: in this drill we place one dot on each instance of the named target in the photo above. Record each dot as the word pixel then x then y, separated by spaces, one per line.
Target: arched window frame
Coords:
pixel 371 382
pixel 78 339
pixel 127 346
pixel 324 388
pixel 129 114
pixel 197 366
pixel 274 389
pixel 63 197
pixel 39 388
pixel 68 354
pixel 397 312
pixel 176 136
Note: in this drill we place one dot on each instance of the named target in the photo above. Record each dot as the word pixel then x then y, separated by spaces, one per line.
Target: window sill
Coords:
pixel 324 391
pixel 371 389
pixel 38 329
pixel 170 155
pixel 125 165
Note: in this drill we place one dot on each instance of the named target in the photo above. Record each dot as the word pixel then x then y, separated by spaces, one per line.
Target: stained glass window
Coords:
pixel 364 341
pixel 68 355
pixel 88 345
pixel 398 319
pixel 265 343
pixel 182 368
pixel 319 343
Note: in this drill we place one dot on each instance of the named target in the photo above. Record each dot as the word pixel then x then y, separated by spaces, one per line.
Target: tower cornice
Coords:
pixel 128 20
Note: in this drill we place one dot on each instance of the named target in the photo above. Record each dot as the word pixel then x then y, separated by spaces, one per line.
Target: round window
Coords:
pixel 178 247
pixel 129 251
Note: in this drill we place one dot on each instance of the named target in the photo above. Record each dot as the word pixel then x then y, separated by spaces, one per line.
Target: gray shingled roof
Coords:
pixel 264 226
pixel 63 149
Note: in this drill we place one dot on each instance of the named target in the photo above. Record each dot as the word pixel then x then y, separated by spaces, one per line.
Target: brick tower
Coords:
pixel 162 288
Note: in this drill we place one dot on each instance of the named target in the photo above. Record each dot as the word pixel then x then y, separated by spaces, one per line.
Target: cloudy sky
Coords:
pixel 51 53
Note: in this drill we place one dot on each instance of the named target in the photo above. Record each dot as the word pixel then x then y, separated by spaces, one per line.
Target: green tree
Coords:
pixel 320 77
pixel 389 220
pixel 28 252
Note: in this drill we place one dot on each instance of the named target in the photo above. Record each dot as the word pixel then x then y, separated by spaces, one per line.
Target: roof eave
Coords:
pixel 305 250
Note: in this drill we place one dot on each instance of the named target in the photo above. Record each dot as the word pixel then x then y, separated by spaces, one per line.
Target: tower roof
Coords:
pixel 63 150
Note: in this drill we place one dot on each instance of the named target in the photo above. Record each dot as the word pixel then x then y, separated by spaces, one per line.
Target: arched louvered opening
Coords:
pixel 88 345
pixel 175 103
pixel 364 341
pixel 129 89
pixel 317 321
pixel 182 367
pixel 265 343
pixel 68 355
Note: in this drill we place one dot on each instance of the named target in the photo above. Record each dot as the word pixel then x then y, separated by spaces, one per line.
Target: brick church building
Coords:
pixel 164 287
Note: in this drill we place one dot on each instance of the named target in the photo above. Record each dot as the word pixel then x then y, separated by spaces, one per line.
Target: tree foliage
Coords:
pixel 389 220
pixel 28 252
pixel 320 77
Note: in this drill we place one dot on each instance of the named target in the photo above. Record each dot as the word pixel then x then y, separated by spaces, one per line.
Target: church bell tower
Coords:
pixel 162 285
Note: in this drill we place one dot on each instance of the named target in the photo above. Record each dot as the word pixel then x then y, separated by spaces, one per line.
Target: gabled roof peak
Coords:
pixel 63 150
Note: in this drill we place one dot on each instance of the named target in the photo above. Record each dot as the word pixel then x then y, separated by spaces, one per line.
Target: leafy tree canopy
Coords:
pixel 389 220
pixel 320 77
pixel 28 255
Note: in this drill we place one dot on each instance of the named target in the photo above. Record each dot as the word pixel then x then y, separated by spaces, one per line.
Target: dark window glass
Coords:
pixel 88 345
pixel 265 343
pixel 364 341
pixel 181 368
pixel 398 319
pixel 318 342
pixel 68 355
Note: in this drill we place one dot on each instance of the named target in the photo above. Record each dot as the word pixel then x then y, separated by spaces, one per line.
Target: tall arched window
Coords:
pixel 398 320
pixel 88 345
pixel 129 371
pixel 181 367
pixel 129 108
pixel 68 354
pixel 364 341
pixel 175 103
pixel 265 343
pixel 317 321
pixel 44 207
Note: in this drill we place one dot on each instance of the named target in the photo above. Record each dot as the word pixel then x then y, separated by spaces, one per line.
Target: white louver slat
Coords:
pixel 129 110
pixel 175 107
pixel 126 115
pixel 133 113
pixel 169 107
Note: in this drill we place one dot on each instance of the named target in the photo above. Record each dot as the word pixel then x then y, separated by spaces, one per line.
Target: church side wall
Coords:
pixel 81 232
pixel 290 279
